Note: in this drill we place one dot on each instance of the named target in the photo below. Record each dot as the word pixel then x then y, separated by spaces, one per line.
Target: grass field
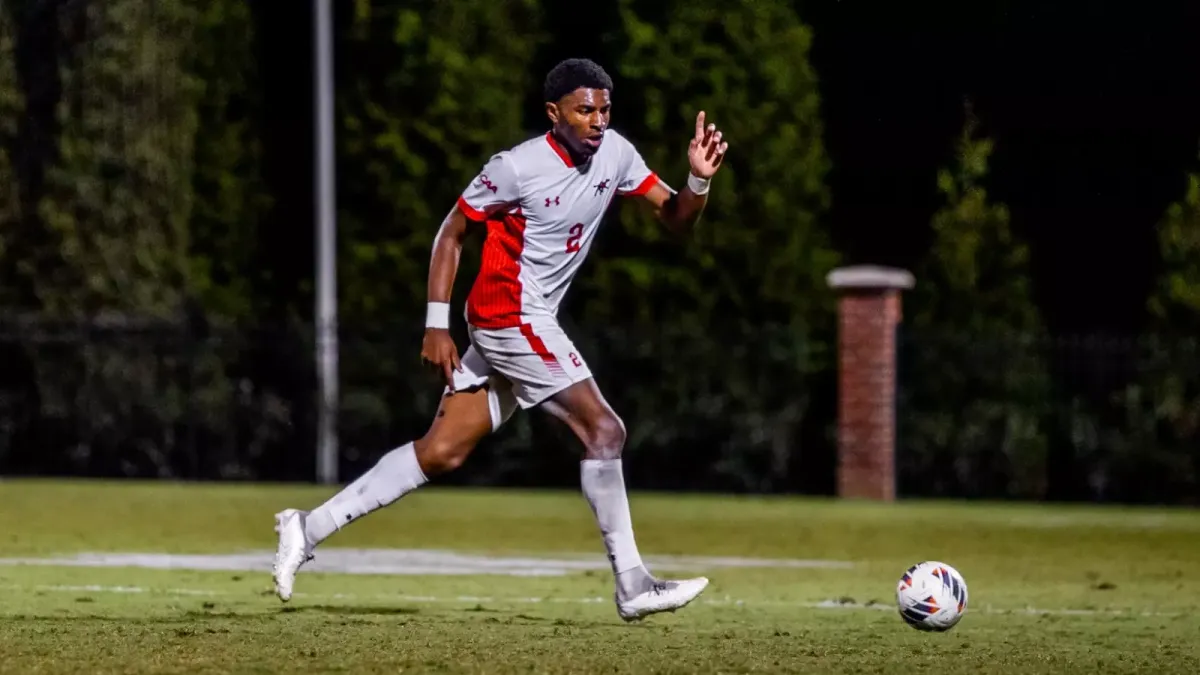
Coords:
pixel 1053 589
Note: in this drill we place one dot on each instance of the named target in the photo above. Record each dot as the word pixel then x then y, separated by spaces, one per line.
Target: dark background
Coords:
pixel 156 236
pixel 1095 108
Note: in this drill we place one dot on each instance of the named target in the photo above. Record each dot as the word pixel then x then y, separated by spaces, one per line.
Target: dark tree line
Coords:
pixel 155 293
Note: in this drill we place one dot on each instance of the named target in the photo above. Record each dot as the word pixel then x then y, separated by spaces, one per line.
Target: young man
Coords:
pixel 542 202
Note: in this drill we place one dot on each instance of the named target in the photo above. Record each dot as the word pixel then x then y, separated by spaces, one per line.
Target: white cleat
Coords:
pixel 664 596
pixel 293 550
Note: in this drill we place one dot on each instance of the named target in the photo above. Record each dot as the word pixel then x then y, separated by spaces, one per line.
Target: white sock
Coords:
pixel 393 476
pixel 603 483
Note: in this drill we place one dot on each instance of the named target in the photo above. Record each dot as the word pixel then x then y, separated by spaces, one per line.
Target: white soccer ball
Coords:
pixel 931 596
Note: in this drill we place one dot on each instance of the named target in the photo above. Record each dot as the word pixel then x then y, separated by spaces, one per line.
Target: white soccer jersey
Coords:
pixel 542 213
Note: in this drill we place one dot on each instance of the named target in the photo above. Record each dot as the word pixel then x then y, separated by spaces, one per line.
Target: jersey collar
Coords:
pixel 559 149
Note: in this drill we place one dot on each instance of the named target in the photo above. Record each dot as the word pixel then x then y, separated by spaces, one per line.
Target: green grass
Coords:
pixel 1132 576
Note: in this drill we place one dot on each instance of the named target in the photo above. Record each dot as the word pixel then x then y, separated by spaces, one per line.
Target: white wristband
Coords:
pixel 437 315
pixel 698 185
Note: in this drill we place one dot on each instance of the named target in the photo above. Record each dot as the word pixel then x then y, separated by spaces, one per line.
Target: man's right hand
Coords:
pixel 440 353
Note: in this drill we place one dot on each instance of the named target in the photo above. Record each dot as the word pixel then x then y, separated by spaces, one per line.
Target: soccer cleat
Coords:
pixel 663 596
pixel 293 550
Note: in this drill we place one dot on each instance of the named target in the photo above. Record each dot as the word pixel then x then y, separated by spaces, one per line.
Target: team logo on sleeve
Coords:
pixel 602 186
pixel 487 183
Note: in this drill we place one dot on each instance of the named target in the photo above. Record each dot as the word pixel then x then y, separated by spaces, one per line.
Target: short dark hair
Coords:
pixel 572 74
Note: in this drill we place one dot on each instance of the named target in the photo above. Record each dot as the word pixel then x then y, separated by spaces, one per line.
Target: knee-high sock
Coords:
pixel 603 483
pixel 393 476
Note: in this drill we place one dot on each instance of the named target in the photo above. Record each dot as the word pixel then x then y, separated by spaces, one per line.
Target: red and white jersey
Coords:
pixel 542 213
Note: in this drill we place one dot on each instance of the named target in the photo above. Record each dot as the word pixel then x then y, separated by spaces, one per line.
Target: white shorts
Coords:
pixel 521 366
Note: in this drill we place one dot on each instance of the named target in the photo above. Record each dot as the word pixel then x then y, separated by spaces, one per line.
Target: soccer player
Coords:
pixel 541 202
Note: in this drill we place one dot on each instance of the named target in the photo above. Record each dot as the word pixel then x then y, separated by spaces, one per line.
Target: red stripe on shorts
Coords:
pixel 540 349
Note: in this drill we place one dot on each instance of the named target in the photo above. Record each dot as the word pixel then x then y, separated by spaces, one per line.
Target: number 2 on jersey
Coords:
pixel 576 233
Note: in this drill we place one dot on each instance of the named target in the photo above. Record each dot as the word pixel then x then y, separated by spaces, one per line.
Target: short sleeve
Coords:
pixel 637 178
pixel 495 187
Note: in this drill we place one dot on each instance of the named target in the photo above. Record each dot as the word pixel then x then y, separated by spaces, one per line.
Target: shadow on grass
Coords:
pixel 352 610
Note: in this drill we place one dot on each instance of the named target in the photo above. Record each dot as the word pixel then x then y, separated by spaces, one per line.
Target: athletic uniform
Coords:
pixel 542 214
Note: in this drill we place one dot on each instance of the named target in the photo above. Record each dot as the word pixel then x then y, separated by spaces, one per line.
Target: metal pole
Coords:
pixel 326 300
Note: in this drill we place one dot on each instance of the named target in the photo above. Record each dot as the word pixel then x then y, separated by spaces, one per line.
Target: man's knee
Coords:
pixel 438 455
pixel 583 408
pixel 605 438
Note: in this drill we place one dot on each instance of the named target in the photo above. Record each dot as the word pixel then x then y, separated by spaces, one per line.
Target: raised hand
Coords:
pixel 706 149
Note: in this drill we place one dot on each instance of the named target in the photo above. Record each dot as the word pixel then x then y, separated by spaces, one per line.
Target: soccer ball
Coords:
pixel 932 596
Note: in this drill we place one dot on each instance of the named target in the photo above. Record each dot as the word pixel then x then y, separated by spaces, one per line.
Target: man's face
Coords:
pixel 580 119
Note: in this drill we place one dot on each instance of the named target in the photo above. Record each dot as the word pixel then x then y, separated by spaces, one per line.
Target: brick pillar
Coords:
pixel 868 314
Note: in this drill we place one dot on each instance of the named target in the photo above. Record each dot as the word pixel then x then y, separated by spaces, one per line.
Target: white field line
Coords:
pixel 501 601
pixel 414 562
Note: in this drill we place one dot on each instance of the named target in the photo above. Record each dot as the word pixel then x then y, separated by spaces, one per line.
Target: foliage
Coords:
pixel 751 276
pixel 759 253
pixel 427 91
pixel 134 140
pixel 974 377
pixel 110 240
pixel 118 199
pixel 1176 303
pixel 1157 437
pixel 229 196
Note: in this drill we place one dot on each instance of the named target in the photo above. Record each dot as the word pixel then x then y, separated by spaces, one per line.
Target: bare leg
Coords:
pixel 462 420
pixel 582 407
